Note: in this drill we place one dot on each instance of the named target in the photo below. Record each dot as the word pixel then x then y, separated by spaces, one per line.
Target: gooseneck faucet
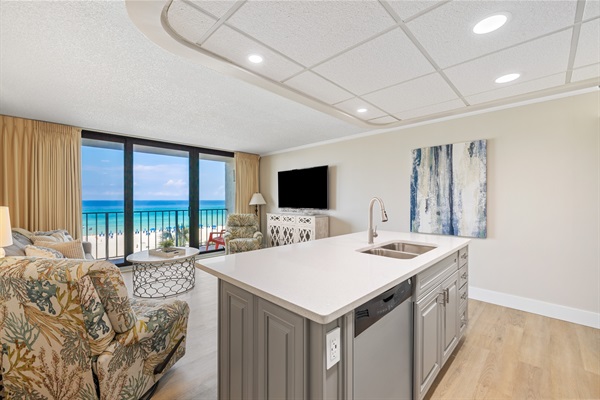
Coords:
pixel 373 233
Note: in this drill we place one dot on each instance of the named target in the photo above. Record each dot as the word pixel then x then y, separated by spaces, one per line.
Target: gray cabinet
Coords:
pixel 236 342
pixel 427 355
pixel 439 322
pixel 450 325
pixel 463 291
pixel 261 348
pixel 280 353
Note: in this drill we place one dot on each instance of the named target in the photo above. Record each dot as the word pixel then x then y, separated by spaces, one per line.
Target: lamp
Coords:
pixel 5 230
pixel 257 200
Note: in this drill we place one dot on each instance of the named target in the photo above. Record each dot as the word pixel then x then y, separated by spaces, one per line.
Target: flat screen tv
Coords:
pixel 303 188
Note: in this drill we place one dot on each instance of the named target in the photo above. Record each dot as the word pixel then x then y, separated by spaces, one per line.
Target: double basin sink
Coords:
pixel 399 250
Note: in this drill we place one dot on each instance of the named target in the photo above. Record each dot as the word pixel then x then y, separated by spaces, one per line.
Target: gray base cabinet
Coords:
pixel 268 352
pixel 236 342
pixel 280 353
pixel 440 318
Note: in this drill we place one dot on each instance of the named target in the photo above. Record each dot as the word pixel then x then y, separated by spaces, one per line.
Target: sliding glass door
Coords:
pixel 103 198
pixel 160 197
pixel 215 194
pixel 137 192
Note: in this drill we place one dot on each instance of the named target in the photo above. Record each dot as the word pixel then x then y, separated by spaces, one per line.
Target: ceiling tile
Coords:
pixel 314 85
pixel 452 41
pixel 189 22
pixel 517 89
pixel 532 60
pixel 407 9
pixel 350 106
pixel 311 31
pixel 581 74
pixel 432 109
pixel 420 92
pixel 389 59
pixel 591 10
pixel 588 48
pixel 236 47
pixel 218 8
pixel 383 120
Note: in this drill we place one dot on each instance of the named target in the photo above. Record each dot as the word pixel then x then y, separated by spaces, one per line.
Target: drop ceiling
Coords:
pixel 178 71
pixel 398 60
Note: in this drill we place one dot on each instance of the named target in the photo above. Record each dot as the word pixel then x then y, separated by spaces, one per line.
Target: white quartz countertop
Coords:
pixel 324 279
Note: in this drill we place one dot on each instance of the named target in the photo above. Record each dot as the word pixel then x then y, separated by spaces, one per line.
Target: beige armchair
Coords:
pixel 242 233
pixel 69 331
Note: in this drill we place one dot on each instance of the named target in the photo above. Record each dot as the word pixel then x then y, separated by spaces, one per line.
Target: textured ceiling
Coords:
pixel 84 63
pixel 399 59
pixel 113 66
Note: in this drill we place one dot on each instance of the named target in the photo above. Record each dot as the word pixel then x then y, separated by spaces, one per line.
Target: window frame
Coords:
pixel 194 183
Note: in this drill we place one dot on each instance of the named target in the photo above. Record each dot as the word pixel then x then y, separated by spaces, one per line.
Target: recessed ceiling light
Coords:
pixel 255 58
pixel 361 110
pixel 507 78
pixel 490 24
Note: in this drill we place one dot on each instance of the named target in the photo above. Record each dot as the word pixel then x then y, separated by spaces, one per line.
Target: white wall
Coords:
pixel 542 249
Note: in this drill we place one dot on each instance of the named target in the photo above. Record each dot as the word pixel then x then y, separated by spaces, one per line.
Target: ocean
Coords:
pixel 148 215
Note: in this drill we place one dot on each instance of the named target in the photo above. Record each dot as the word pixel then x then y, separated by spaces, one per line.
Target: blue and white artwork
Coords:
pixel 448 189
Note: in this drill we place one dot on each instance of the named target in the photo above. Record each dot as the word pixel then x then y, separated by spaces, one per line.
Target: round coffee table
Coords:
pixel 155 276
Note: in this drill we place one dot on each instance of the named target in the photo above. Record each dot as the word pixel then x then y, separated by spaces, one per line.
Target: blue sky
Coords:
pixel 156 177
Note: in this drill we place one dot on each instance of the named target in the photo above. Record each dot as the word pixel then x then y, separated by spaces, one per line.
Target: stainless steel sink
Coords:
pixel 407 247
pixel 390 253
pixel 400 250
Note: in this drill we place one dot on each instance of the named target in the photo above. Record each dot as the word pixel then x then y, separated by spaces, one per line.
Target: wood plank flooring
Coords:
pixel 505 354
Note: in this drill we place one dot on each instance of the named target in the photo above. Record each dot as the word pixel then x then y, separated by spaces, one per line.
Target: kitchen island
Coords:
pixel 276 306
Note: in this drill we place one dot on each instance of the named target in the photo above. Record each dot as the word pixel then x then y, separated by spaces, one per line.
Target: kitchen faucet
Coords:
pixel 373 233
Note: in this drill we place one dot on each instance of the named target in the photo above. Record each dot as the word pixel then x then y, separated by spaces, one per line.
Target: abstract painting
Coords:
pixel 448 189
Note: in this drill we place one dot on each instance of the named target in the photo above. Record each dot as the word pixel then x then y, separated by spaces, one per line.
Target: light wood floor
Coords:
pixel 506 354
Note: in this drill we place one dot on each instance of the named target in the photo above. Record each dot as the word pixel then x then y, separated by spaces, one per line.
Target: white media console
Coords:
pixel 294 228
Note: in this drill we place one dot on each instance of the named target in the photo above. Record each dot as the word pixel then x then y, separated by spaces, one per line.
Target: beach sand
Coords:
pixel 142 241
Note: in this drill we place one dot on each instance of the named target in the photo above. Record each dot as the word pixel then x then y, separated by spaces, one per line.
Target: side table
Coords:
pixel 163 277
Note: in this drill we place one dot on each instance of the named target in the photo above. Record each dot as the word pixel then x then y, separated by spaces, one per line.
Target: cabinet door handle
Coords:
pixel 441 298
pixel 464 275
pixel 464 296
pixel 447 296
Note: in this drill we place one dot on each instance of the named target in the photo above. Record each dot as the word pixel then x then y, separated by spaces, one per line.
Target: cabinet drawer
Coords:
pixel 306 221
pixel 463 319
pixel 463 256
pixel 434 275
pixel 463 294
pixel 463 275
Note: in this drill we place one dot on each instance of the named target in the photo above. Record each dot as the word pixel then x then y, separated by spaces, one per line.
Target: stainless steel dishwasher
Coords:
pixel 383 356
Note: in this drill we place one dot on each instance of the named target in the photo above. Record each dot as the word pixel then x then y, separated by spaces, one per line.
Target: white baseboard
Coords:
pixel 564 313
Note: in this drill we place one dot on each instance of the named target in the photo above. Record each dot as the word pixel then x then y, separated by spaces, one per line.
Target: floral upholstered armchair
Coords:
pixel 69 331
pixel 242 233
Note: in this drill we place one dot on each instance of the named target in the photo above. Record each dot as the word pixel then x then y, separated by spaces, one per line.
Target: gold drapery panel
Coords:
pixel 40 175
pixel 246 181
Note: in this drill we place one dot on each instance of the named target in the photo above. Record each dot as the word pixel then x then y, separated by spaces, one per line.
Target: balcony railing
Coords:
pixel 104 230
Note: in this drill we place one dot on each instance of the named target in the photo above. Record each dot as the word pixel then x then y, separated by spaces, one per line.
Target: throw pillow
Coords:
pixel 61 234
pixel 41 251
pixel 44 238
pixel 72 249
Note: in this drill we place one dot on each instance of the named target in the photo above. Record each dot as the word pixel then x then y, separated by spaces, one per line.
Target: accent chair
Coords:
pixel 69 330
pixel 242 233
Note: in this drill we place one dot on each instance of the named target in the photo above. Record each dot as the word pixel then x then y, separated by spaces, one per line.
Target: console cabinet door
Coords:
pixel 236 342
pixel 428 357
pixel 450 317
pixel 280 353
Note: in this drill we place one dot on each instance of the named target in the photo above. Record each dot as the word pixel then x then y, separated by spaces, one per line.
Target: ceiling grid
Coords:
pixel 376 52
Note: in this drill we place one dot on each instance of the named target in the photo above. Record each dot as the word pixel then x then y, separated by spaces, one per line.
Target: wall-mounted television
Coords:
pixel 303 188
